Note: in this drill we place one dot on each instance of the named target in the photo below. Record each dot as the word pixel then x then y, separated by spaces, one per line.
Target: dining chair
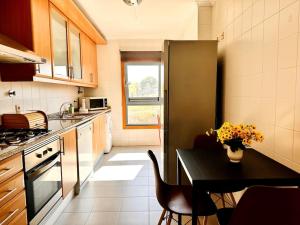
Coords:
pixel 205 142
pixel 263 206
pixel 177 199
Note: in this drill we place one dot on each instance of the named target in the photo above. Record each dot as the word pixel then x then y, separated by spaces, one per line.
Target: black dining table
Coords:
pixel 207 169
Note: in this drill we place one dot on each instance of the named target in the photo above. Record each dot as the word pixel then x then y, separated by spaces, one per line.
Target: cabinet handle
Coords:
pixel 71 72
pixel 9 192
pixel 5 171
pixel 62 146
pixel 38 68
pixel 10 215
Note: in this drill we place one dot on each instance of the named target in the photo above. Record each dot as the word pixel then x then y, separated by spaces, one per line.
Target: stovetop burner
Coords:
pixel 15 137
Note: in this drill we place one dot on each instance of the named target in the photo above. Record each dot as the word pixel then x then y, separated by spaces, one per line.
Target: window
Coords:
pixel 141 98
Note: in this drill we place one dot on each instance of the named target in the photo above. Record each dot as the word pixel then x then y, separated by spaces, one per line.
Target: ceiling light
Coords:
pixel 132 2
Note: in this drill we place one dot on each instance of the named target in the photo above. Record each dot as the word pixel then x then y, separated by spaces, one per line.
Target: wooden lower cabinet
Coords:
pixel 12 209
pixel 69 161
pixel 20 219
pixel 99 136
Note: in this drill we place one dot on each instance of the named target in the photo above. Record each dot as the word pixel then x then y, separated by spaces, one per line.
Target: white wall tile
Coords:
pixel 288 20
pixel 271 29
pixel 271 7
pixel 258 12
pixel 247 19
pixel 275 108
pixel 296 149
pixel 287 52
pixel 284 143
pixel 285 3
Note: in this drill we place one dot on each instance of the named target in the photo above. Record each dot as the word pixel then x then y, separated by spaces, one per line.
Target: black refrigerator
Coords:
pixel 189 96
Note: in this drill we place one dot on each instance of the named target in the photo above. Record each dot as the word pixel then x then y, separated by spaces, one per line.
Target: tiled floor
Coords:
pixel 120 192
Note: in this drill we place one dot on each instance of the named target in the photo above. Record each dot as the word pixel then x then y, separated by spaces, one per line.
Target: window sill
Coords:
pixel 142 127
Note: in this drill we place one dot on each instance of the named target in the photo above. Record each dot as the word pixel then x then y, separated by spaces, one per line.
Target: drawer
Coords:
pixel 12 209
pixel 10 167
pixel 11 188
pixel 20 219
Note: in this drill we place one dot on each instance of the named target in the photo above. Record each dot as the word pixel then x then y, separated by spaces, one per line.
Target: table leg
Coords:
pixel 194 206
pixel 179 183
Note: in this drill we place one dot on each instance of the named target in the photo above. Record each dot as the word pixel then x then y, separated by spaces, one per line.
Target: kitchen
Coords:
pixel 71 79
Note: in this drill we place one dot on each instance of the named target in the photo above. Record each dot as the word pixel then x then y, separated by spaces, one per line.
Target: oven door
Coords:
pixel 42 183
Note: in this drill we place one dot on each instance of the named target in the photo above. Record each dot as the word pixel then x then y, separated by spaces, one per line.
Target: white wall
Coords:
pixel 109 71
pixel 204 22
pixel 191 28
pixel 261 67
pixel 35 96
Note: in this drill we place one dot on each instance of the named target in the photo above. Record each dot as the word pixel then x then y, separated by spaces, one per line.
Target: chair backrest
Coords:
pixel 160 185
pixel 268 206
pixel 206 142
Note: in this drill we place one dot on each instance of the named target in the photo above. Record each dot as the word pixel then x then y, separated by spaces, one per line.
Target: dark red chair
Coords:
pixel 178 199
pixel 206 143
pixel 264 206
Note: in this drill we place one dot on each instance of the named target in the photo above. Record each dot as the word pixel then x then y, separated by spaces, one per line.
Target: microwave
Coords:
pixel 94 103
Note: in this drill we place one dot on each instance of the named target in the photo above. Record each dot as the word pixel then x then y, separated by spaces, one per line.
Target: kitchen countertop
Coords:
pixel 56 128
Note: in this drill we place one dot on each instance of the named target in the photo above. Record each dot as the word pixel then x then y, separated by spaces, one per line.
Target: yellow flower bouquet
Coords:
pixel 237 136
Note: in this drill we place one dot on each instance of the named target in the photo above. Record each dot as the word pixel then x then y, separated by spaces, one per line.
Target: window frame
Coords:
pixel 138 101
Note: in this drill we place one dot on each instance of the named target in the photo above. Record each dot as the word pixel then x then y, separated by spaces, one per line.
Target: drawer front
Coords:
pixel 11 188
pixel 12 209
pixel 10 167
pixel 20 219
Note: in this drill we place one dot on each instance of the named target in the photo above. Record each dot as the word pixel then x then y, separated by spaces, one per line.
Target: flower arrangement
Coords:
pixel 237 136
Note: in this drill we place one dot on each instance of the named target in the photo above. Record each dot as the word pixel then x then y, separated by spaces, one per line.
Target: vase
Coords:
pixel 235 156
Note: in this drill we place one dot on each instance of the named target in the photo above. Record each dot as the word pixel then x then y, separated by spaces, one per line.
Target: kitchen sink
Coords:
pixel 75 116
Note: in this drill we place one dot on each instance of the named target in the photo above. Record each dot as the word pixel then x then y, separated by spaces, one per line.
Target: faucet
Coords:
pixel 61 113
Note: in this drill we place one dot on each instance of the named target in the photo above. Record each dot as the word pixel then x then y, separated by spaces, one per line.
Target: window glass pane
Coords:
pixel 143 80
pixel 142 114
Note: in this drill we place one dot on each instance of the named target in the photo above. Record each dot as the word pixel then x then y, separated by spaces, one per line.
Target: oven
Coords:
pixel 43 179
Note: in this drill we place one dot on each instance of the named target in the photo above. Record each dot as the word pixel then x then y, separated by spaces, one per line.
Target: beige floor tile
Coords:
pixel 107 204
pixel 72 218
pixel 80 205
pixel 133 218
pixel 140 204
pixel 103 218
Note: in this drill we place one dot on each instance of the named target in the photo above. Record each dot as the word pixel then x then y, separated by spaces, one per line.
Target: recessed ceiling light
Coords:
pixel 132 2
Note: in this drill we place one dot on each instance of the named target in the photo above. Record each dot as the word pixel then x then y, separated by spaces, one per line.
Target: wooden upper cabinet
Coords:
pixel 59 38
pixel 89 60
pixel 70 9
pixel 41 35
pixel 69 161
pixel 57 31
pixel 27 22
pixel 75 53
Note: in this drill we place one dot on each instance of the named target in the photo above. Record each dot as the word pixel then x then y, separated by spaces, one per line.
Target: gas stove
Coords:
pixel 18 137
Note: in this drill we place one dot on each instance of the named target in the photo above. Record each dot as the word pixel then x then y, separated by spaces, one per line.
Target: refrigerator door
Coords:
pixel 190 89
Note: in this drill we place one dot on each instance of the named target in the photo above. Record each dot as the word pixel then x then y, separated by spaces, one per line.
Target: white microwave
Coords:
pixel 94 103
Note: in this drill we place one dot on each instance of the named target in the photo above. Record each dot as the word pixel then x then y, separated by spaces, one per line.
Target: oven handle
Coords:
pixel 43 168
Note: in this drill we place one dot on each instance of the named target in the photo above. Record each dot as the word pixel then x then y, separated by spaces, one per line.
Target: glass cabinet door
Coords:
pixel 59 44
pixel 75 56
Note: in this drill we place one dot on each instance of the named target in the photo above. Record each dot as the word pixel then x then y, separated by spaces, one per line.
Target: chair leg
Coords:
pixel 205 220
pixel 169 219
pixel 199 222
pixel 232 199
pixel 162 217
pixel 223 199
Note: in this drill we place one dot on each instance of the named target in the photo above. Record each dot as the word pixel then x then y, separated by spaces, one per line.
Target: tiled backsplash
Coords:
pixel 33 96
pixel 261 62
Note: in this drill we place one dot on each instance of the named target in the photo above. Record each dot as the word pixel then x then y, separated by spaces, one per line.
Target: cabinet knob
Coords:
pixel 39 155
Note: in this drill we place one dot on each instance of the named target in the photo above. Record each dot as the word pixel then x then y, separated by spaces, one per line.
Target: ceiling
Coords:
pixel 152 19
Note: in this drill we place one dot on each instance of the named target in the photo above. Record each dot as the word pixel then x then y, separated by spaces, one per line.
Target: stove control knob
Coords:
pixel 39 155
pixel 49 149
